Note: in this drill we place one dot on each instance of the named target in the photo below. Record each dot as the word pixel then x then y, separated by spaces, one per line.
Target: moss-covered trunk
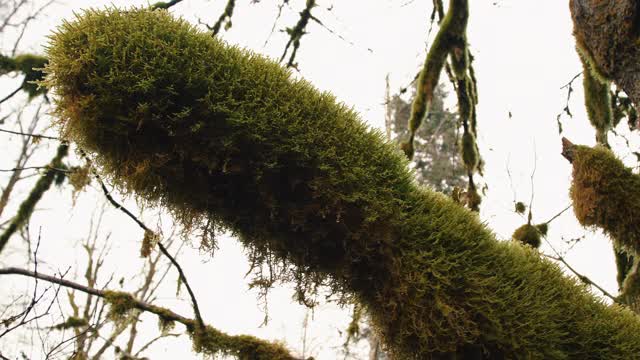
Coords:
pixel 216 133
pixel 607 33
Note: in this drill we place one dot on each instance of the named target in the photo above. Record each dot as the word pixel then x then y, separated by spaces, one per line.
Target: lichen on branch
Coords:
pixel 219 134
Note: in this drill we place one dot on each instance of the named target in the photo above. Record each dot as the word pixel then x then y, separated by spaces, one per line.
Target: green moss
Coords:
pixel 120 304
pixel 302 181
pixel 597 97
pixel 211 342
pixel 29 204
pixel 520 207
pixel 224 18
pixel 149 241
pixel 543 228
pixel 606 194
pixel 630 293
pixel 71 322
pixel 527 234
pixel 469 150
pixel 452 32
pixel 31 66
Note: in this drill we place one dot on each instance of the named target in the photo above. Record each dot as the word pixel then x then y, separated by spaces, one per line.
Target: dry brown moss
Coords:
pixel 606 194
pixel 217 133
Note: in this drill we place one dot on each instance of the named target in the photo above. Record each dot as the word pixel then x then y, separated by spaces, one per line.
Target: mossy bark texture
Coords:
pixel 217 133
pixel 606 194
pixel 607 32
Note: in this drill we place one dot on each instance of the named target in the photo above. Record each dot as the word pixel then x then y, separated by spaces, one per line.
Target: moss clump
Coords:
pixel 220 134
pixel 121 304
pixel 520 207
pixel 210 341
pixel 606 194
pixel 149 241
pixel 71 322
pixel 527 234
pixel 543 228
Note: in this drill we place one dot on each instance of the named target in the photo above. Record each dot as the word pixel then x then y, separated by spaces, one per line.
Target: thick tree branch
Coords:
pixel 607 34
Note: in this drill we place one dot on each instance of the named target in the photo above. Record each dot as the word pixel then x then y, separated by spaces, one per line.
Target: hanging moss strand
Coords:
pixel 28 205
pixel 452 29
pixel 224 18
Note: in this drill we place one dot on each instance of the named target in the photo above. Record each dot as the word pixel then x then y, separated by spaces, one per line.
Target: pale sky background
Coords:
pixel 524 53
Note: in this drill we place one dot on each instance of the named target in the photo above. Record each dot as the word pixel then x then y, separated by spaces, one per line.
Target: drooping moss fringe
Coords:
pixel 452 30
pixel 597 99
pixel 30 66
pixel 216 133
pixel 29 204
pixel 606 194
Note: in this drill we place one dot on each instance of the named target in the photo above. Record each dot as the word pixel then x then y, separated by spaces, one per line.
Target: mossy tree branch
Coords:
pixel 225 18
pixel 218 134
pixel 296 33
pixel 607 34
pixel 28 64
pixel 207 340
pixel 451 41
pixel 606 195
pixel 164 5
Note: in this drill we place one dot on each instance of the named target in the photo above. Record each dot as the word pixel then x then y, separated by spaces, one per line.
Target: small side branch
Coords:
pixel 118 206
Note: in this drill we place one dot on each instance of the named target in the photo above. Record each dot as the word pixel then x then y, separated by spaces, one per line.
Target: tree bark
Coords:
pixel 607 32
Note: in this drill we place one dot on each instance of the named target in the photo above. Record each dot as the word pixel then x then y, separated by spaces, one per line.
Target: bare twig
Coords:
pixel 38 136
pixel 118 206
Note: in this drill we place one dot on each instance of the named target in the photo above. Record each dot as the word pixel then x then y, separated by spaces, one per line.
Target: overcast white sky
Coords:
pixel 524 53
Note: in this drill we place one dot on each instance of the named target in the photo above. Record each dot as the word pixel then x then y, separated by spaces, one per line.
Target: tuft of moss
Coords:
pixel 210 341
pixel 527 234
pixel 149 241
pixel 216 133
pixel 71 322
pixel 543 228
pixel 520 207
pixel 606 194
pixel 121 304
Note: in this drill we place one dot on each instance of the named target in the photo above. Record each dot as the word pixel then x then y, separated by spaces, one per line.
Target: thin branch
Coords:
pixel 583 278
pixel 558 214
pixel 45 167
pixel 164 5
pixel 38 136
pixel 118 206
